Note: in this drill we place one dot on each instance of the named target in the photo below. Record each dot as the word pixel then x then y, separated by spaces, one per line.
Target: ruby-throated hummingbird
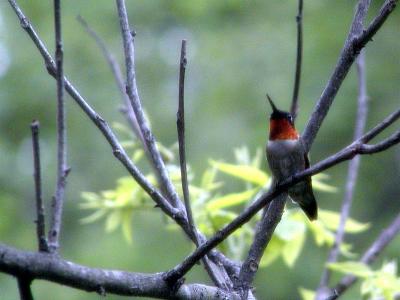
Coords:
pixel 286 156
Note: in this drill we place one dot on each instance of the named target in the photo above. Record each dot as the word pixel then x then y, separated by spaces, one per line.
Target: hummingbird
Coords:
pixel 286 156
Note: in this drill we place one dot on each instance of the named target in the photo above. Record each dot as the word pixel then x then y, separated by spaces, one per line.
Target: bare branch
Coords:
pixel 347 153
pixel 131 90
pixel 115 69
pixel 352 47
pixel 62 169
pixel 351 176
pixel 295 99
pixel 180 123
pixel 117 149
pixel 24 287
pixel 211 268
pixel 370 255
pixel 40 220
pixel 52 268
pixel 264 231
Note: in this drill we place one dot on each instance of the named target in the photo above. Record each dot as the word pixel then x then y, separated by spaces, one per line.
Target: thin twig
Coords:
pixel 216 275
pixel 264 231
pixel 352 47
pixel 24 287
pixel 40 219
pixel 180 123
pixel 347 153
pixel 62 169
pixel 370 255
pixel 351 176
pixel 116 71
pixel 295 99
pixel 131 90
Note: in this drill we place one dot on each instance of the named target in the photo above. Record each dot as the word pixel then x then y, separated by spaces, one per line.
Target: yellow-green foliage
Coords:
pixel 213 209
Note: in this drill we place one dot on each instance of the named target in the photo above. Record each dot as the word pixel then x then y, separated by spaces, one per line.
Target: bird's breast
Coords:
pixel 285 157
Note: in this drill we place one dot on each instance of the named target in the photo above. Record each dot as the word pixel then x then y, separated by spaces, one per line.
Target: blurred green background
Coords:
pixel 237 51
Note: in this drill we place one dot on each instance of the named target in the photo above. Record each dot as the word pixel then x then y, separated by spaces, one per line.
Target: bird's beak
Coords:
pixel 271 103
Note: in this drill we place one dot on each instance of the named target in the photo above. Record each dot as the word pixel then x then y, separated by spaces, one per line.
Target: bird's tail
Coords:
pixel 302 194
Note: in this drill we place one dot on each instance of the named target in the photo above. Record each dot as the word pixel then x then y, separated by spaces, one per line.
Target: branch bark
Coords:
pixel 351 177
pixel 264 231
pixel 40 218
pixel 131 90
pixel 352 47
pixel 52 268
pixel 62 168
pixel 116 71
pixel 295 99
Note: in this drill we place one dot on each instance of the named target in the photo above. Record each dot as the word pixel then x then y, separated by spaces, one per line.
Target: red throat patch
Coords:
pixel 282 130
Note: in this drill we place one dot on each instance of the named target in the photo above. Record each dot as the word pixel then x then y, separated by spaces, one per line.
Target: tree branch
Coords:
pixel 351 177
pixel 24 287
pixel 40 219
pixel 295 99
pixel 264 231
pixel 105 129
pixel 349 152
pixel 62 169
pixel 131 90
pixel 211 268
pixel 352 47
pixel 117 149
pixel 52 268
pixel 369 256
pixel 116 71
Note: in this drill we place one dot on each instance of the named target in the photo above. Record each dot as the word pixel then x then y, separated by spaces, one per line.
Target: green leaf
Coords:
pixel 322 186
pixel 221 217
pixel 230 200
pixel 306 294
pixel 289 228
pixel 355 268
pixel 126 225
pixel 93 217
pixel 272 252
pixel 113 220
pixel 292 249
pixel 244 172
pixel 331 219
pixel 322 236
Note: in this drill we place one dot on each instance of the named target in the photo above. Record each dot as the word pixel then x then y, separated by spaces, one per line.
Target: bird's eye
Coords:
pixel 290 119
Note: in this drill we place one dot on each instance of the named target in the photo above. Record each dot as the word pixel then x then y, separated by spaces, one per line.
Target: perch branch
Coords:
pixel 116 71
pixel 347 153
pixel 352 47
pixel 295 99
pixel 264 231
pixel 52 268
pixel 62 169
pixel 369 256
pixel 351 174
pixel 131 90
pixel 40 219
